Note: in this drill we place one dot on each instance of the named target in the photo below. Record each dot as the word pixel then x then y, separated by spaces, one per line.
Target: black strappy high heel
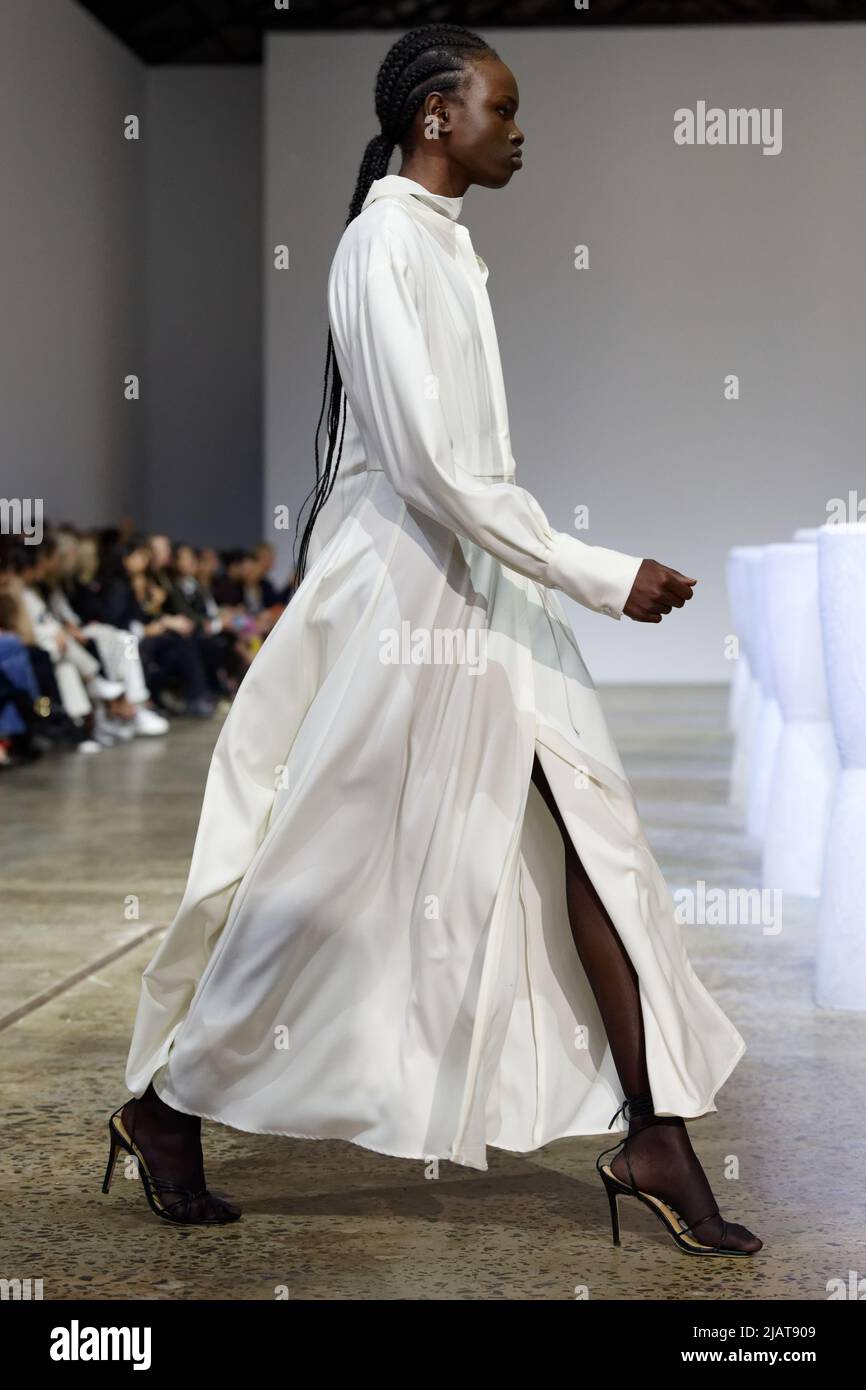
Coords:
pixel 636 1107
pixel 177 1211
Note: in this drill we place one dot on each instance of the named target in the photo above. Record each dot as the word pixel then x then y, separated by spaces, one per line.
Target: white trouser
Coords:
pixel 118 652
pixel 83 660
pixel 75 699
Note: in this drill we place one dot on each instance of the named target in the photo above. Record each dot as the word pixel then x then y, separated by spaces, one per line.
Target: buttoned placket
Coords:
pixel 478 284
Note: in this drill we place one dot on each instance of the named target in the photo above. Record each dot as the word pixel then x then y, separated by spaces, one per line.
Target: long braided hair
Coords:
pixel 430 58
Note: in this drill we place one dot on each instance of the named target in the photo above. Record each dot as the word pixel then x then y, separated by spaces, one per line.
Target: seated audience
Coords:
pixel 99 626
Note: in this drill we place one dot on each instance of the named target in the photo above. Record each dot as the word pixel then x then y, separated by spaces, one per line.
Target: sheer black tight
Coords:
pixel 659 1149
pixel 170 1143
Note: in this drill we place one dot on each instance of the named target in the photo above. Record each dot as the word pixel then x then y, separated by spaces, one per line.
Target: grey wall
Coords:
pixel 71 257
pixel 128 257
pixel 204 304
pixel 703 261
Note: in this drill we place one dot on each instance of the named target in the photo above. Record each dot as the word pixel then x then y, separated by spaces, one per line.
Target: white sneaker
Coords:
pixel 121 729
pixel 103 730
pixel 148 722
pixel 89 746
pixel 107 730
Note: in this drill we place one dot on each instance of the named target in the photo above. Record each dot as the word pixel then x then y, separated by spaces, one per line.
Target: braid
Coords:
pixel 430 58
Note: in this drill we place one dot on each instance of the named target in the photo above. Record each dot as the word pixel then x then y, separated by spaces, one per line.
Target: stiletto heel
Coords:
pixel 109 1172
pixel 610 1189
pixel 639 1106
pixel 177 1211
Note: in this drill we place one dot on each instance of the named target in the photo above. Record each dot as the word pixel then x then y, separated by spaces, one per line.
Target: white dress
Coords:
pixel 373 944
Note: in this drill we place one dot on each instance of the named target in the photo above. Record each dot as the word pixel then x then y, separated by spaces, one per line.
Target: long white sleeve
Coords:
pixel 391 387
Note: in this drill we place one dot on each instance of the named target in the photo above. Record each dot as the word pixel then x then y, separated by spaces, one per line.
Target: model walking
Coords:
pixel 377 941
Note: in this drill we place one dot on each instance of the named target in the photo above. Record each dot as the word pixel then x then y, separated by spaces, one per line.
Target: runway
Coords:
pixel 95 852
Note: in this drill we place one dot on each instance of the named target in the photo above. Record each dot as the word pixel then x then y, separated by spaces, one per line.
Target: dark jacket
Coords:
pixel 119 605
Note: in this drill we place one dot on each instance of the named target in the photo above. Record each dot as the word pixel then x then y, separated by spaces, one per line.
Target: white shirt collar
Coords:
pixel 400 185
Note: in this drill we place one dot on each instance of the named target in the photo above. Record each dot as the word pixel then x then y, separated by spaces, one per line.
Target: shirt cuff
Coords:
pixel 592 575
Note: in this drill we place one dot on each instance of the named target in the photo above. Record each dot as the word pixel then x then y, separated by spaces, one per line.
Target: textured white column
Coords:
pixel 841 967
pixel 807 763
pixel 769 725
pixel 745 700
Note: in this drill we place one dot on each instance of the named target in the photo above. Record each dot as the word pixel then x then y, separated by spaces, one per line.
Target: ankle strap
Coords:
pixel 637 1106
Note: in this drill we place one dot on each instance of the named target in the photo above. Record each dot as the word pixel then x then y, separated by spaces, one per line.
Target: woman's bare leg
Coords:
pixel 662 1158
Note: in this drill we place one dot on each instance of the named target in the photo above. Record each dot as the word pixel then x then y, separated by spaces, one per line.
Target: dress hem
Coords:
pixel 708 1107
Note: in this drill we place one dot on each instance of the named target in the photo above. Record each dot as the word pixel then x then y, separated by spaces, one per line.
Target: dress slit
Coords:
pixel 555 1063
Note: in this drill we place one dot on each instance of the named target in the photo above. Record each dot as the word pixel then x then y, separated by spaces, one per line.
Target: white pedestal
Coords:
pixel 841 964
pixel 806 764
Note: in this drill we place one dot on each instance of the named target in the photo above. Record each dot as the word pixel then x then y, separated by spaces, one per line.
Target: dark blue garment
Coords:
pixel 15 666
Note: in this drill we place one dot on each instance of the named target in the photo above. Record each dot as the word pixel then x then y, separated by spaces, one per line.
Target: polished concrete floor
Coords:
pixel 94 859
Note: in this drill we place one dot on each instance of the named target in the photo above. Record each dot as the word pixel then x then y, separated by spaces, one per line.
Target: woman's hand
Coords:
pixel 655 591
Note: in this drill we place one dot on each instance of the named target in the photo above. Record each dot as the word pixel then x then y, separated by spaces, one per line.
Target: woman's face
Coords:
pixel 136 561
pixel 207 563
pixel 481 130
pixel 67 552
pixel 185 560
pixel 160 549
pixel 88 557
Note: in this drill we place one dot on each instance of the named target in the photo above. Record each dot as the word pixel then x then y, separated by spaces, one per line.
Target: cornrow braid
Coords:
pixel 430 58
